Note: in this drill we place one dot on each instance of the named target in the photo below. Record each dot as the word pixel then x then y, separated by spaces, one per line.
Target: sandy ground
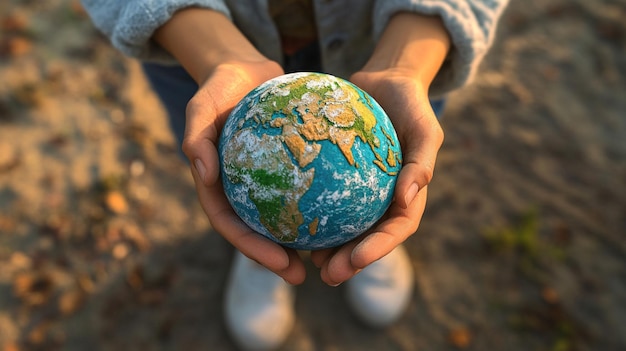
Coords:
pixel 104 247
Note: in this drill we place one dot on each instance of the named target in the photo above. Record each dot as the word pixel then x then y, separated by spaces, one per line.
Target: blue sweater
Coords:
pixel 347 29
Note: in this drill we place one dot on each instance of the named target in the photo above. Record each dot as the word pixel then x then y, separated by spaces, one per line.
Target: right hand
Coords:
pixel 207 111
pixel 226 67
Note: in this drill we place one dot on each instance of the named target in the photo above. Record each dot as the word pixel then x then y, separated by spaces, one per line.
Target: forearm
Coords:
pixel 414 44
pixel 201 39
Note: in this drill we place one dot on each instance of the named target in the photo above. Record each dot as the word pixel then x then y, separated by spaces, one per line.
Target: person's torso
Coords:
pixel 295 22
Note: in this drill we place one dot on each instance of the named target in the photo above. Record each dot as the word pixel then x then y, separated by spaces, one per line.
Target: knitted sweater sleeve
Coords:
pixel 129 24
pixel 470 23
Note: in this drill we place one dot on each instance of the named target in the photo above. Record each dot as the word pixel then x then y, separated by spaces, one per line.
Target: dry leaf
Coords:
pixel 460 337
pixel 9 157
pixel 70 301
pixel 136 236
pixel 85 283
pixel 120 251
pixel 32 287
pixel 20 260
pixel 38 334
pixel 10 346
pixel 116 202
pixel 18 46
pixel 15 22
pixel 550 295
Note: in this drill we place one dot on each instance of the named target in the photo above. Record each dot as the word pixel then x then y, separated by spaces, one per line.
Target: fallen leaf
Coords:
pixel 460 337
pixel 85 283
pixel 10 346
pixel 116 202
pixel 137 168
pixel 32 287
pixel 20 260
pixel 550 295
pixel 120 251
pixel 9 157
pixel 18 46
pixel 15 22
pixel 136 236
pixel 39 333
pixel 70 301
pixel 7 224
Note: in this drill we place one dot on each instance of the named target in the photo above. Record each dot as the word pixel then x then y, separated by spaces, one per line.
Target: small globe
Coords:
pixel 309 160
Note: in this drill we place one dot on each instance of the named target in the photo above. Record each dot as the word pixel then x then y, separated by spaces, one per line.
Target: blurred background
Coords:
pixel 104 247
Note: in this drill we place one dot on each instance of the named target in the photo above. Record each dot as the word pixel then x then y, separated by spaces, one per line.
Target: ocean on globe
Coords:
pixel 309 160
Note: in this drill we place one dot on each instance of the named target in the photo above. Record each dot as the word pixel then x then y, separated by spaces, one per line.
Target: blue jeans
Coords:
pixel 175 87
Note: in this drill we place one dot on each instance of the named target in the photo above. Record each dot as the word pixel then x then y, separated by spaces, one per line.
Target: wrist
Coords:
pixel 412 45
pixel 202 39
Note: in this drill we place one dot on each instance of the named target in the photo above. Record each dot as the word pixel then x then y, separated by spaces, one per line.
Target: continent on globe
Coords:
pixel 309 160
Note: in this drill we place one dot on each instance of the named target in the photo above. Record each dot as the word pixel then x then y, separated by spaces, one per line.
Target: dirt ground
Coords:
pixel 104 247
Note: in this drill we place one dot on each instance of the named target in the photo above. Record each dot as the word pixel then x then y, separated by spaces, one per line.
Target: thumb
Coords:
pixel 201 137
pixel 421 145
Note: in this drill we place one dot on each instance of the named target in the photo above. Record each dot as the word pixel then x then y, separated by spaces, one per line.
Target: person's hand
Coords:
pixel 398 75
pixel 206 114
pixel 406 102
pixel 226 67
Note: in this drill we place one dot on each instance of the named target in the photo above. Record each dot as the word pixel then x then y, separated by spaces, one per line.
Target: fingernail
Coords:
pixel 335 285
pixel 200 168
pixel 410 194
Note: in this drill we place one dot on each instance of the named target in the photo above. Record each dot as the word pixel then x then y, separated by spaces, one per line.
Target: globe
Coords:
pixel 309 160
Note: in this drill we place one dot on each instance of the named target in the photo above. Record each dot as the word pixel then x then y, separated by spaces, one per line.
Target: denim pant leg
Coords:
pixel 438 107
pixel 175 88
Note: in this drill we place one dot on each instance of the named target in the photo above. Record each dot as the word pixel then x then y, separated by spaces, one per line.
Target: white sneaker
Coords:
pixel 259 306
pixel 381 292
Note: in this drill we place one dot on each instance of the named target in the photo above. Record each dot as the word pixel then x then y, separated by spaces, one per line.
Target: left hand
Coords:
pixel 405 99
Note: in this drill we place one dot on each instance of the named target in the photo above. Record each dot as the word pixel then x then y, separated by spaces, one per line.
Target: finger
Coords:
pixel 340 264
pixel 338 268
pixel 253 245
pixel 200 147
pixel 319 257
pixel 421 145
pixel 294 273
pixel 201 137
pixel 225 221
